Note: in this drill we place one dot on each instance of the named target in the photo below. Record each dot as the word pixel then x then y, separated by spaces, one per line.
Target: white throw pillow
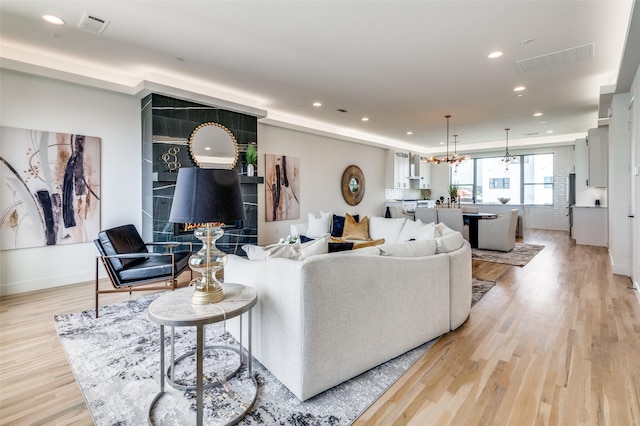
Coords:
pixel 409 249
pixel 298 251
pixel 450 242
pixel 442 230
pixel 254 252
pixel 311 248
pixel 416 230
pixel 298 229
pixel 389 229
pixel 319 226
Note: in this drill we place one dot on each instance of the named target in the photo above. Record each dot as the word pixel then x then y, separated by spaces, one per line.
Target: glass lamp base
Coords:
pixel 204 297
pixel 207 261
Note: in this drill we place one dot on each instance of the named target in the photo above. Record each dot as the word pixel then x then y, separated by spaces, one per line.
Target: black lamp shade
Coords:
pixel 207 195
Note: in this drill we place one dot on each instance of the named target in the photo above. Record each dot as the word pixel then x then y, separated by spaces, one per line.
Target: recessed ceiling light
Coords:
pixel 537 114
pixel 53 19
pixel 519 89
pixel 494 55
pixel 409 132
pixel 520 95
pixel 317 104
pixel 549 131
pixel 441 143
pixel 365 118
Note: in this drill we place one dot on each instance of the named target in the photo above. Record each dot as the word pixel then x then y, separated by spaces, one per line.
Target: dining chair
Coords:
pixel 498 234
pixel 427 214
pixel 454 220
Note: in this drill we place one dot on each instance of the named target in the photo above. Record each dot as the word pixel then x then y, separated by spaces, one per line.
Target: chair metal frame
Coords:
pixel 170 281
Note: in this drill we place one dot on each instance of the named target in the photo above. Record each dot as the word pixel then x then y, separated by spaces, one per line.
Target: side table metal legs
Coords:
pixel 200 386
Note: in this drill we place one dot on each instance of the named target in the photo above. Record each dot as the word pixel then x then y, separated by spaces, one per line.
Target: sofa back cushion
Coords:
pixel 386 228
pixel 288 251
pixel 416 230
pixel 409 249
pixel 449 242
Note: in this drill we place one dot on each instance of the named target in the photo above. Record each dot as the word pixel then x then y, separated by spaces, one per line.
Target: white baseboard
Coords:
pixel 48 282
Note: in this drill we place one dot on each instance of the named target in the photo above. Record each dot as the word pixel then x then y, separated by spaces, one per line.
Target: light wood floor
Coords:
pixel 555 342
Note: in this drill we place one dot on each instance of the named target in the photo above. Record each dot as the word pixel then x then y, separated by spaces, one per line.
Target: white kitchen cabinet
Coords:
pixel 598 142
pixel 590 226
pixel 398 169
pixel 421 178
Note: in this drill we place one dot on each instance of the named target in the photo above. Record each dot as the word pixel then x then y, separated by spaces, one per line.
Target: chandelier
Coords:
pixel 508 158
pixel 455 159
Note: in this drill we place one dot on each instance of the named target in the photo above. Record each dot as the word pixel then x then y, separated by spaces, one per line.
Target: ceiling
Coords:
pixel 402 64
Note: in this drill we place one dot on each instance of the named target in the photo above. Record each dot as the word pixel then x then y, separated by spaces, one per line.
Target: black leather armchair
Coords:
pixel 129 263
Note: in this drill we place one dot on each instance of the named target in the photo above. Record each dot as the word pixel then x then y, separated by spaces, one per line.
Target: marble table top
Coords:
pixel 175 308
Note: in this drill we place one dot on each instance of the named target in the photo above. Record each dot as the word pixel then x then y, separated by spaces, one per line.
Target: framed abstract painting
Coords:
pixel 50 188
pixel 282 187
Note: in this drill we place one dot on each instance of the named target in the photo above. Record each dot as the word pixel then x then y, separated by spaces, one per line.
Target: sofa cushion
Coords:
pixel 416 230
pixel 319 226
pixel 363 244
pixel 442 230
pixel 354 230
pixel 409 248
pixel 122 240
pixel 449 242
pixel 335 247
pixel 288 251
pixel 337 226
pixel 386 228
pixel 254 252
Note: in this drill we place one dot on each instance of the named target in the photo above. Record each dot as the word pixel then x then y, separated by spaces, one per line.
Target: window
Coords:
pixel 493 182
pixel 499 183
pixel 463 178
pixel 538 179
pixel 484 180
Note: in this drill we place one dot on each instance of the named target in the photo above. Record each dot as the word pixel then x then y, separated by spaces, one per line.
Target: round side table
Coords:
pixel 175 309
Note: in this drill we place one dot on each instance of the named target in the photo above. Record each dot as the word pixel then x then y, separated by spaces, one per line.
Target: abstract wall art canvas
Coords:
pixel 50 191
pixel 282 187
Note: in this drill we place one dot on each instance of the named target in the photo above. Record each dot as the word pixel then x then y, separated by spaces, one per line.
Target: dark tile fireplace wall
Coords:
pixel 167 124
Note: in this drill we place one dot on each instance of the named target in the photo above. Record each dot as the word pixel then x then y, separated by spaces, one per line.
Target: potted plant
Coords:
pixel 453 190
pixel 251 155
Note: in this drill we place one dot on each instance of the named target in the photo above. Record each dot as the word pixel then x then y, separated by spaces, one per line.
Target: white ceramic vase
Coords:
pixel 250 169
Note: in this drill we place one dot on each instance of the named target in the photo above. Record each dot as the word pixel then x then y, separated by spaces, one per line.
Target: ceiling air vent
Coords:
pixel 93 23
pixel 555 59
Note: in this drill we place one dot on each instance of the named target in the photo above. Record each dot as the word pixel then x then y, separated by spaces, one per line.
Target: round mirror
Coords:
pixel 353 185
pixel 213 146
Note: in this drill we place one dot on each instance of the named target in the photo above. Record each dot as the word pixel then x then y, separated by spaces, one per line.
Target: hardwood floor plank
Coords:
pixel 556 342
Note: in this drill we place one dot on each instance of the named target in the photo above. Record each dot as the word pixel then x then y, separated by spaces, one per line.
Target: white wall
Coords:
pixel 619 187
pixel 322 162
pixel 31 102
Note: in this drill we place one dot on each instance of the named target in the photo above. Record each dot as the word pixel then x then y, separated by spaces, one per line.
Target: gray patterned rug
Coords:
pixel 519 256
pixel 115 359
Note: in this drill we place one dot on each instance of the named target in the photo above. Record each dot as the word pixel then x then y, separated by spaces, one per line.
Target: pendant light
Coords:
pixel 455 159
pixel 508 158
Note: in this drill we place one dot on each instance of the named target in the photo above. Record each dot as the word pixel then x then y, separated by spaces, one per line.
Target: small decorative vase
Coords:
pixel 250 170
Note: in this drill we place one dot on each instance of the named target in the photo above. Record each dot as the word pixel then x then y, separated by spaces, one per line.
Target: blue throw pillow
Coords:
pixel 334 247
pixel 305 239
pixel 338 225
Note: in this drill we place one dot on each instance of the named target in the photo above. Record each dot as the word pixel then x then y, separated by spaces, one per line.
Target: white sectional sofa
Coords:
pixel 326 318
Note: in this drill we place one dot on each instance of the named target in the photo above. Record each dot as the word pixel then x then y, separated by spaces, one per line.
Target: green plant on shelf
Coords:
pixel 251 155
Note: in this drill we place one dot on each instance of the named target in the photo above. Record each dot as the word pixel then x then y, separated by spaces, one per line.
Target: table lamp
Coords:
pixel 208 198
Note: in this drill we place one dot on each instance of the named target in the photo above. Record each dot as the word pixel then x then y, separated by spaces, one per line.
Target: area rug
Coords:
pixel 520 255
pixel 115 359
